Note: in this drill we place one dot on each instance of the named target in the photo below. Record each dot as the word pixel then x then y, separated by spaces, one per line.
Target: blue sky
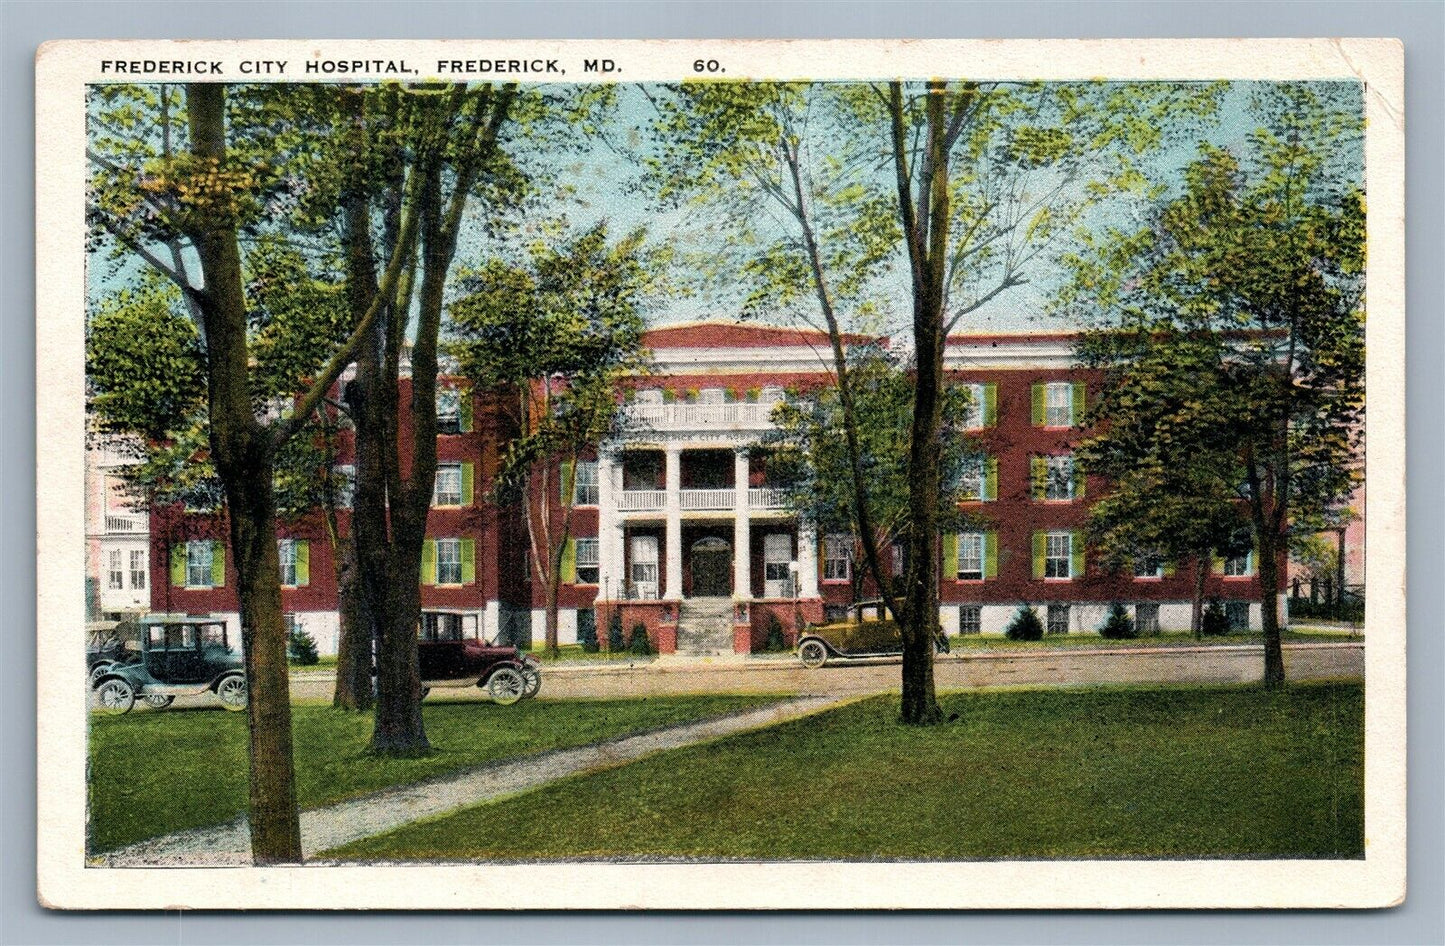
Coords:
pixel 600 178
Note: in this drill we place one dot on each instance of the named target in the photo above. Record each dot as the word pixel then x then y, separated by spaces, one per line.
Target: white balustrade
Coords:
pixel 767 498
pixel 693 416
pixel 114 523
pixel 694 500
pixel 641 500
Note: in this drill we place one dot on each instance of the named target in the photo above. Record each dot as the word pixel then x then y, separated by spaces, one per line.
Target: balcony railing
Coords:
pixel 114 523
pixel 692 416
pixel 642 500
pixel 708 499
pixel 767 498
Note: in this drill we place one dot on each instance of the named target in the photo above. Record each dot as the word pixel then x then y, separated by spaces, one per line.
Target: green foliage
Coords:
pixel 1025 625
pixel 301 648
pixel 807 453
pixel 1118 625
pixel 1215 622
pixel 775 641
pixel 587 635
pixel 615 642
pixel 639 643
pixel 144 362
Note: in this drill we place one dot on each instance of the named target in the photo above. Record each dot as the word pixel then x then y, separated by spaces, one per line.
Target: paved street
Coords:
pixel 669 676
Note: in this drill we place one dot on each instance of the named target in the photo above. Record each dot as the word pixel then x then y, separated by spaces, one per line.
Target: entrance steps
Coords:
pixel 705 627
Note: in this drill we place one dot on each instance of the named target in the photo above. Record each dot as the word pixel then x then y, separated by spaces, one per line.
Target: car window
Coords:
pixel 157 635
pixel 213 636
pixel 183 637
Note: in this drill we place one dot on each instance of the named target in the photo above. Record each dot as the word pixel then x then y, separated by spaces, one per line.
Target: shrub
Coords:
pixel 1025 625
pixel 301 648
pixel 1215 623
pixel 614 631
pixel 587 632
pixel 1118 625
pixel 775 641
pixel 639 643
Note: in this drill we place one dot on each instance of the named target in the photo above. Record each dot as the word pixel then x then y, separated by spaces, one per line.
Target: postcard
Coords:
pixel 721 475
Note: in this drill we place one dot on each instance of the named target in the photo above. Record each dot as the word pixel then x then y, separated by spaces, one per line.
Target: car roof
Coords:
pixel 180 619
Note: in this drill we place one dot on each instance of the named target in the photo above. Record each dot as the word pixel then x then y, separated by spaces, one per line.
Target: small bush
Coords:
pixel 587 633
pixel 775 641
pixel 1118 625
pixel 1215 623
pixel 640 644
pixel 1025 625
pixel 614 631
pixel 301 648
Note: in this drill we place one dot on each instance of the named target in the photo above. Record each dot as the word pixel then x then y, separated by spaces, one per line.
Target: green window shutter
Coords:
pixel 1168 569
pixel 1038 471
pixel 1039 413
pixel 1040 545
pixel 178 565
pixel 429 562
pixel 464 411
pixel 564 494
pixel 303 563
pixel 569 561
pixel 1078 393
pixel 950 556
pixel 469 561
pixel 218 564
pixel 1076 546
pixel 1079 478
pixel 990 478
pixel 990 555
pixel 1218 566
pixel 468 480
pixel 990 405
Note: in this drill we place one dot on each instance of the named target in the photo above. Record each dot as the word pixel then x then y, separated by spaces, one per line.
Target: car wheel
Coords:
pixel 232 691
pixel 532 677
pixel 506 686
pixel 115 697
pixel 158 700
pixel 813 653
pixel 98 671
pixel 425 691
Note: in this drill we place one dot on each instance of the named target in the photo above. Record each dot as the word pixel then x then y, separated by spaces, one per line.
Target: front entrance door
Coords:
pixel 712 565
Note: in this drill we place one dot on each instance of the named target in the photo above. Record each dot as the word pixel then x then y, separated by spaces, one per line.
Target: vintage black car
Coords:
pixel 178 656
pixel 453 654
pixel 109 644
pixel 866 633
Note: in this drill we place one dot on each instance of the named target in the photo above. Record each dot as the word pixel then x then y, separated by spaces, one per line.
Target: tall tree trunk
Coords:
pixel 1196 613
pixel 243 456
pixel 1269 609
pixel 398 729
pixel 353 651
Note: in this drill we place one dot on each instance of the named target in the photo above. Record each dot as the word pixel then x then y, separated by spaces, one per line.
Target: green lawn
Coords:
pixel 1128 772
pixel 154 773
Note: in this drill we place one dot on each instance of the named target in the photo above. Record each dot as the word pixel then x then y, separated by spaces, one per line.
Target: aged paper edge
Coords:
pixel 1377 880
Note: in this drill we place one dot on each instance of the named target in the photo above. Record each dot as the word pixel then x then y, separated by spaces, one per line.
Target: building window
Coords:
pixel 449 411
pixel 1236 614
pixel 344 483
pixel 198 564
pixel 649 396
pixel 1058 475
pixel 1146 619
pixel 448 491
pixel 584 490
pixel 970 556
pixel 1058 619
pixel 970 619
pixel 770 396
pixel 837 558
pixel 1149 566
pixel 138 568
pixel 1058 554
pixel 971 477
pixel 1239 566
pixel 286 552
pixel 115 580
pixel 712 396
pixel 898 558
pixel 973 418
pixel 1059 404
pixel 587 561
pixel 642 569
pixel 449 561
pixel 777 565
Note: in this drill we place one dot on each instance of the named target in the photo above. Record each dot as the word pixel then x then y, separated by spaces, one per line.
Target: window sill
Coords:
pixel 1148 577
pixel 969 581
pixel 837 581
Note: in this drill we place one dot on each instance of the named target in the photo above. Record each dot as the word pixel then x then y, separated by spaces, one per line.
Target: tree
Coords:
pixel 971 182
pixel 1161 408
pixel 1257 268
pixel 552 336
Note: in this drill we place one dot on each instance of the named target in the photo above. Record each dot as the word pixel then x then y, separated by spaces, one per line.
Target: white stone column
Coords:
pixel 673 485
pixel 609 557
pixel 807 561
pixel 742 530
